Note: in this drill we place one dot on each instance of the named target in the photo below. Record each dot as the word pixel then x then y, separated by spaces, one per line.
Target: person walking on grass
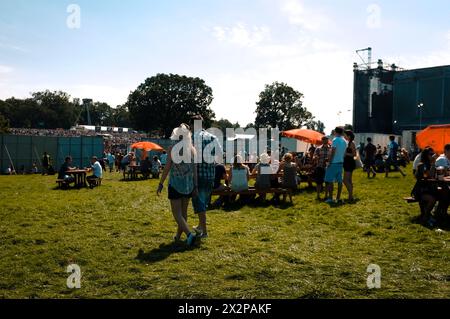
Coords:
pixel 182 172
pixel 336 164
pixel 369 161
pixel 349 163
pixel 392 160
pixel 45 163
pixel 206 172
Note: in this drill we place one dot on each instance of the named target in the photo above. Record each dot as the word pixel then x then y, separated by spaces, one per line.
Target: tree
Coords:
pixel 223 124
pixel 101 114
pixel 164 101
pixel 121 116
pixel 4 124
pixel 281 106
pixel 317 126
pixel 55 110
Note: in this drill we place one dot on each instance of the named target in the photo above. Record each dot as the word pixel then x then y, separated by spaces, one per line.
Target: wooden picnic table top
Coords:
pixel 78 171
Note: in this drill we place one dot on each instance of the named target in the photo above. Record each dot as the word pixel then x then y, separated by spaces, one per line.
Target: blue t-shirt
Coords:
pixel 393 149
pixel 340 145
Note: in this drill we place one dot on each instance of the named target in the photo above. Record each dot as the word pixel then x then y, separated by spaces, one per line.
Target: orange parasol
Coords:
pixel 436 136
pixel 308 136
pixel 147 146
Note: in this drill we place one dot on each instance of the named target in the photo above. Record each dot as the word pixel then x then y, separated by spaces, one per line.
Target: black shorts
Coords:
pixel 319 175
pixel 174 195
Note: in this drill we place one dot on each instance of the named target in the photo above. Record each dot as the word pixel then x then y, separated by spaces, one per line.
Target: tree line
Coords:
pixel 157 105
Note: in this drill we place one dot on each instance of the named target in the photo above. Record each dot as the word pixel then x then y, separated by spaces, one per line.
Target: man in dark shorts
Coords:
pixel 321 155
pixel 369 161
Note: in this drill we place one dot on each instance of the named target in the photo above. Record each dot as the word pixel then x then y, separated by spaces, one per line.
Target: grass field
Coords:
pixel 121 236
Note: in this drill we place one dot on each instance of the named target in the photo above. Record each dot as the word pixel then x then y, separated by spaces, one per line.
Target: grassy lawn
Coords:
pixel 121 236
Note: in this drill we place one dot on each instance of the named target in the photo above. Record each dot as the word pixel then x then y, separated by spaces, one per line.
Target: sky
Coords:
pixel 103 49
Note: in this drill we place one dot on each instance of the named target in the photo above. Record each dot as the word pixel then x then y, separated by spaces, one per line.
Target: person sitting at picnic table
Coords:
pixel 263 174
pixel 156 167
pixel 146 167
pixel 220 174
pixel 62 173
pixel 239 176
pixel 97 171
pixel 424 192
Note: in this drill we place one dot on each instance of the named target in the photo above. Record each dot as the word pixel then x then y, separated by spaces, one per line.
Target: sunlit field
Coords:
pixel 120 234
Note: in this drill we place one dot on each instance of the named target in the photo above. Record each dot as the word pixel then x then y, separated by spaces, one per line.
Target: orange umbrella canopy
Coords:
pixel 147 146
pixel 436 136
pixel 308 136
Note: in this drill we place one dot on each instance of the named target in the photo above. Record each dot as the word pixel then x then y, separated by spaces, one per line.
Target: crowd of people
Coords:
pixel 331 163
pixel 114 141
pixel 431 166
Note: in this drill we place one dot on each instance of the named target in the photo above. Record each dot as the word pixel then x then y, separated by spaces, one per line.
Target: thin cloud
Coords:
pixel 306 18
pixel 241 35
pixel 4 69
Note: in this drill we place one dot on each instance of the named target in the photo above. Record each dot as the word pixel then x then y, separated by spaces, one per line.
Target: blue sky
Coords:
pixel 235 46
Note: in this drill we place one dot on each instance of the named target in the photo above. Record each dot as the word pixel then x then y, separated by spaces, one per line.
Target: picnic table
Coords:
pixel 80 177
pixel 133 172
pixel 441 186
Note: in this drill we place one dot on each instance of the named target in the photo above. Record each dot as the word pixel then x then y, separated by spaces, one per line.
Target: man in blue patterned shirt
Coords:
pixel 205 145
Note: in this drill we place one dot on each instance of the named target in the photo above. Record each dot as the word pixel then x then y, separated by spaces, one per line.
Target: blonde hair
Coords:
pixel 182 131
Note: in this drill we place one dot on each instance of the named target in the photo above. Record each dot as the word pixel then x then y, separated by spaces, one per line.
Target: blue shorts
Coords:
pixel 334 173
pixel 201 201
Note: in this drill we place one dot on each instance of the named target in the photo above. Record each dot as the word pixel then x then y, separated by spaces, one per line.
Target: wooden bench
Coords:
pixel 254 191
pixel 95 182
pixel 60 183
pixel 63 184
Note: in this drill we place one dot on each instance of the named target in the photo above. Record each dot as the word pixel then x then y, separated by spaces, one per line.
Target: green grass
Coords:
pixel 121 236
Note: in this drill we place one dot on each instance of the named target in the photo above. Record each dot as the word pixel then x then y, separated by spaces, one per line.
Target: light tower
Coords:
pixel 87 104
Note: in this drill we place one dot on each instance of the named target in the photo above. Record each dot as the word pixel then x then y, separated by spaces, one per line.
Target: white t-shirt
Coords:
pixel 340 144
pixel 417 161
pixel 97 169
pixel 443 161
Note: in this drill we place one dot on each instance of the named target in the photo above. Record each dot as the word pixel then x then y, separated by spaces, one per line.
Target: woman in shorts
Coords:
pixel 182 174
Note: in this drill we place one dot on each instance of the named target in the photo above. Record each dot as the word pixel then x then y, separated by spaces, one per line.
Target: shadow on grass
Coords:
pixel 442 223
pixel 163 252
pixel 255 203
